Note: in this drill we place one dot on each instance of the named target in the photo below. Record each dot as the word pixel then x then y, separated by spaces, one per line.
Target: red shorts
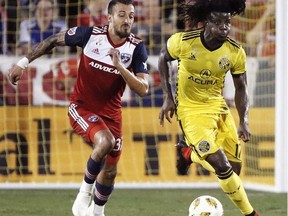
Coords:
pixel 86 123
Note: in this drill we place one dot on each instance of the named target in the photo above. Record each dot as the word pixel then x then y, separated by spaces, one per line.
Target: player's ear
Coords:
pixel 109 18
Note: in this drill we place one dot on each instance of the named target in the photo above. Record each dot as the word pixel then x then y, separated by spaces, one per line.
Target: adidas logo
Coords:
pixel 192 57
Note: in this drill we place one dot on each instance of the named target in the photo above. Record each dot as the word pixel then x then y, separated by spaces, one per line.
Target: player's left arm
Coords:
pixel 241 93
pixel 242 105
pixel 137 82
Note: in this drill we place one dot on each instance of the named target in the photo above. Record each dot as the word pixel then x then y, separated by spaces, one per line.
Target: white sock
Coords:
pixel 85 187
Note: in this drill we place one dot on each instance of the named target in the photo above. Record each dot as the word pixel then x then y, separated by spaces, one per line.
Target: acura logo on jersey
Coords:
pixel 202 81
pixel 125 57
pixel 104 68
pixel 205 74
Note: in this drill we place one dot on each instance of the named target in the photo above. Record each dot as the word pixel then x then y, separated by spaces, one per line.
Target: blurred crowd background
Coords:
pixel 24 23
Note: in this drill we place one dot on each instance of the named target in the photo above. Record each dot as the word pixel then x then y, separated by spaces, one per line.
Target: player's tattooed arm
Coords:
pixel 47 45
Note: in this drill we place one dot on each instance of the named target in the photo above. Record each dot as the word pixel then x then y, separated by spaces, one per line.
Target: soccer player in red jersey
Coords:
pixel 112 57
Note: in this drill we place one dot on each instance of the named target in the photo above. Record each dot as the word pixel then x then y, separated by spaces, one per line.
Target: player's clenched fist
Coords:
pixel 15 74
pixel 16 71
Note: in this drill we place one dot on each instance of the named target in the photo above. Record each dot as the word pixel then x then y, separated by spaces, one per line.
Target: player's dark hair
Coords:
pixel 196 11
pixel 112 3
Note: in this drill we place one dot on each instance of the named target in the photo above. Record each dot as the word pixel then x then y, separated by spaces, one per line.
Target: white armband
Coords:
pixel 23 63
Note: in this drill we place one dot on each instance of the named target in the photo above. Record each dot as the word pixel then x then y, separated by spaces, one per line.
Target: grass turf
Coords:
pixel 133 202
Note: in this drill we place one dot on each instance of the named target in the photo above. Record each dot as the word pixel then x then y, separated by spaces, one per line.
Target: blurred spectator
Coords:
pixel 263 33
pixel 8 21
pixel 149 29
pixel 256 28
pixel 167 8
pixel 140 10
pixel 3 41
pixel 94 14
pixel 44 24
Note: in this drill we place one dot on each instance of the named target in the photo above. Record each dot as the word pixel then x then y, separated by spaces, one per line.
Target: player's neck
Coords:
pixel 115 38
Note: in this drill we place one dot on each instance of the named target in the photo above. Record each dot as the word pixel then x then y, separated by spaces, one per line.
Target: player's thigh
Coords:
pixel 201 131
pixel 228 138
pixel 85 123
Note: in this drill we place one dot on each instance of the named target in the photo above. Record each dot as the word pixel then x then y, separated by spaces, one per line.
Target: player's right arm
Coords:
pixel 168 107
pixel 42 48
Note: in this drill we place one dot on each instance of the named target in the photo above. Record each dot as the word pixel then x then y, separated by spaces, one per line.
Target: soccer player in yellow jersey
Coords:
pixel 204 57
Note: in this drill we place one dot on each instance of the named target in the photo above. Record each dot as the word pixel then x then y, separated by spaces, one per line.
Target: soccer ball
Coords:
pixel 206 206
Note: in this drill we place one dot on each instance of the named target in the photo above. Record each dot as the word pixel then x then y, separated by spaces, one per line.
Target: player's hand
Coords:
pixel 244 132
pixel 167 110
pixel 15 74
pixel 115 56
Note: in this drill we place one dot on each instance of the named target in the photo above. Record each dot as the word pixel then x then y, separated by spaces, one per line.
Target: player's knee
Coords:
pixel 236 166
pixel 222 168
pixel 219 162
pixel 104 143
pixel 102 147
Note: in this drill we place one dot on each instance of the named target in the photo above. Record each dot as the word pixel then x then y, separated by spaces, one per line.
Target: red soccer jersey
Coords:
pixel 99 85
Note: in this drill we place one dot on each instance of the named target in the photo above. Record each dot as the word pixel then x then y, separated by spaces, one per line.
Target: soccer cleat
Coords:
pixel 81 204
pixel 91 211
pixel 254 213
pixel 183 157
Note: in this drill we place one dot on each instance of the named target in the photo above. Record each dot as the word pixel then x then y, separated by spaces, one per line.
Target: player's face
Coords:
pixel 219 25
pixel 122 19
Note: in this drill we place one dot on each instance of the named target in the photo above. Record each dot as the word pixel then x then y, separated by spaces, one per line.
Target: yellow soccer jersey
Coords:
pixel 201 72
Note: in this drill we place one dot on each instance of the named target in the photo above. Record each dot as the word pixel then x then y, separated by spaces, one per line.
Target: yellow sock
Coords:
pixel 204 163
pixel 233 187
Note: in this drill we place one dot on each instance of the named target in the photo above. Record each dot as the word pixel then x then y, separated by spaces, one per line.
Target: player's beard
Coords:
pixel 124 33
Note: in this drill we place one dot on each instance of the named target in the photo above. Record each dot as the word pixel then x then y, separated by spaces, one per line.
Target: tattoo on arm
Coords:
pixel 47 45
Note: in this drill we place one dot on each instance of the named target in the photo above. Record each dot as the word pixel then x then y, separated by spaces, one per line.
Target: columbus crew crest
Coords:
pixel 224 63
pixel 204 146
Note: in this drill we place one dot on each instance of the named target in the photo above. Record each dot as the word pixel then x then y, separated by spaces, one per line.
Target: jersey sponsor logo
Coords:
pixel 72 31
pixel 204 146
pixel 205 74
pixel 104 68
pixel 224 63
pixel 93 118
pixel 202 81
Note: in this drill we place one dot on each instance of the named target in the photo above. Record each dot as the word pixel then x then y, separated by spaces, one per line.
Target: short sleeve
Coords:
pixel 173 45
pixel 139 61
pixel 240 62
pixel 78 36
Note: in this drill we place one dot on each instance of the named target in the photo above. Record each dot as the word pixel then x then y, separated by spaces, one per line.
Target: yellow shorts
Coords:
pixel 207 132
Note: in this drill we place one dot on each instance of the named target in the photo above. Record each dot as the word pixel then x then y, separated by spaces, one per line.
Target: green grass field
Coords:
pixel 132 202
